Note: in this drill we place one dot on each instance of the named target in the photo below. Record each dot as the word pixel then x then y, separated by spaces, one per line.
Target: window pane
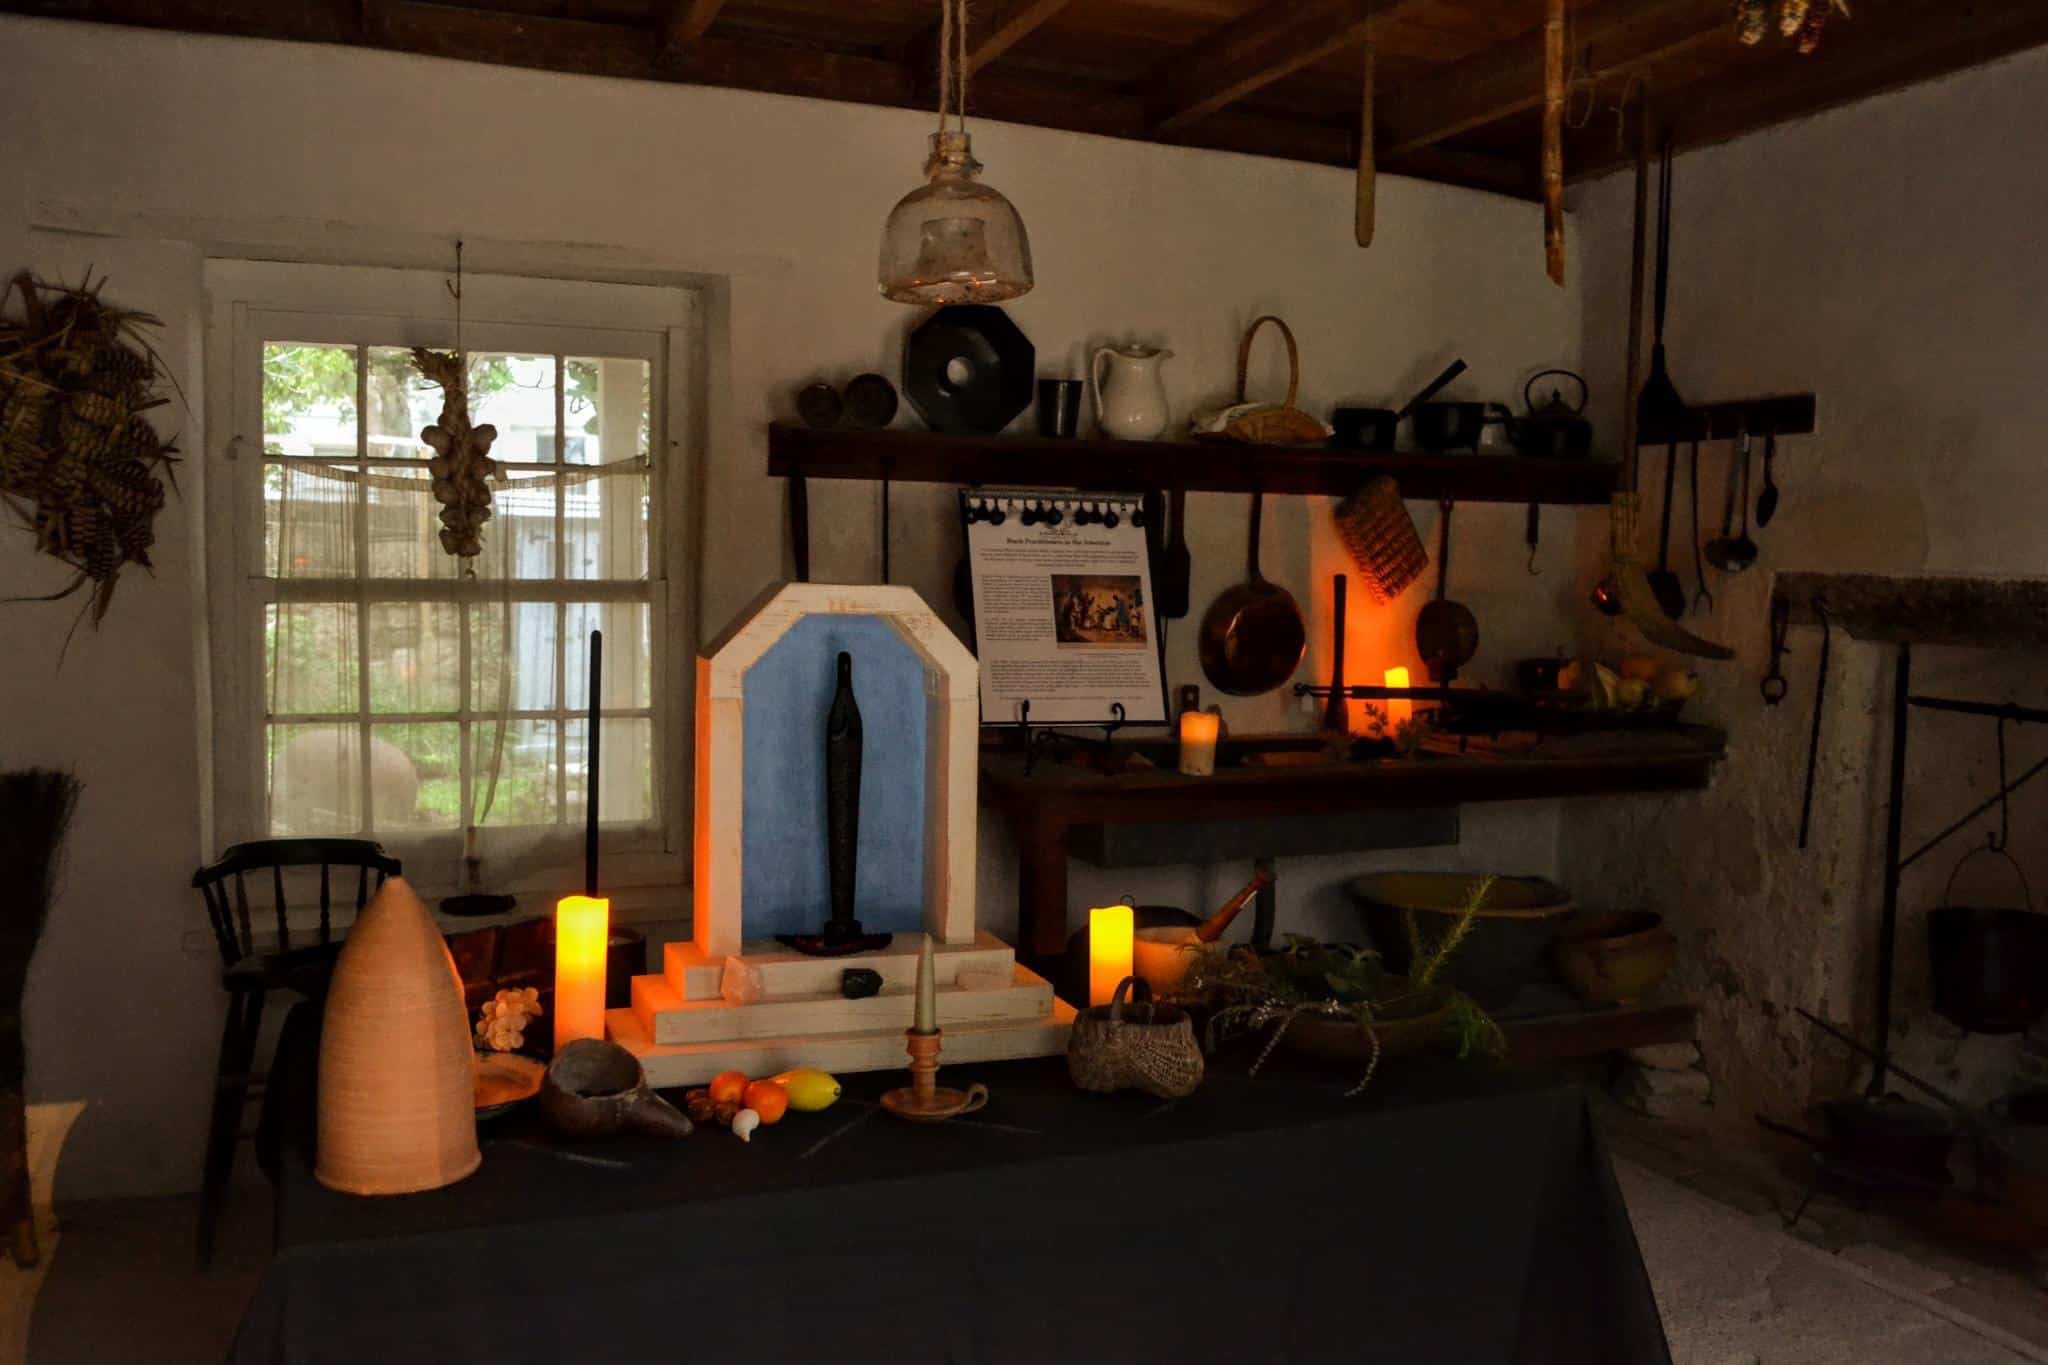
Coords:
pixel 512 647
pixel 309 400
pixel 628 654
pixel 525 793
pixel 519 539
pixel 625 775
pixel 515 394
pixel 309 521
pixel 607 408
pixel 415 776
pixel 415 657
pixel 401 404
pixel 604 519
pixel 405 527
pixel 314 786
pixel 309 658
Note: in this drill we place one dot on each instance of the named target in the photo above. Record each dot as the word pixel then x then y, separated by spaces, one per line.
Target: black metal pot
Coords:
pixel 1891 1135
pixel 1364 428
pixel 1444 427
pixel 1990 966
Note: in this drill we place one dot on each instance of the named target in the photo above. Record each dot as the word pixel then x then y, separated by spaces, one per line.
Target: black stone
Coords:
pixel 858 983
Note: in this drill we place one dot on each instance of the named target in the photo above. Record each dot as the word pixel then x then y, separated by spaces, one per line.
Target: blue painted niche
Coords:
pixel 782 854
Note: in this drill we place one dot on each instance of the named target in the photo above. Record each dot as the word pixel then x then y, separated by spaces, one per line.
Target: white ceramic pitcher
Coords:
pixel 1130 398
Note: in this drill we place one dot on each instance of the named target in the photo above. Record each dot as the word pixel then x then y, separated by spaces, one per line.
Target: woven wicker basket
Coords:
pixel 1375 527
pixel 1272 424
pixel 1155 1051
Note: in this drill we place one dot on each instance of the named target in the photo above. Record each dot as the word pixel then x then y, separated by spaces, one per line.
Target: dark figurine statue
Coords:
pixel 842 933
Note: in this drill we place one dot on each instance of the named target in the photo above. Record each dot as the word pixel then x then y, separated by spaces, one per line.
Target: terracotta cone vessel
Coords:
pixel 397 1074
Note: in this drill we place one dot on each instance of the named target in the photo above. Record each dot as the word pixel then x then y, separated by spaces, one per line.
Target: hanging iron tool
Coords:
pixel 1820 693
pixel 1773 686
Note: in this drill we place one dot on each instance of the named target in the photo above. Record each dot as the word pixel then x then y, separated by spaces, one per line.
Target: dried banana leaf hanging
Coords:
pixel 80 466
pixel 462 467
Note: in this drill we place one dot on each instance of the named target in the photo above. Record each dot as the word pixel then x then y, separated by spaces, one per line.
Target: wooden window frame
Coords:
pixel 250 303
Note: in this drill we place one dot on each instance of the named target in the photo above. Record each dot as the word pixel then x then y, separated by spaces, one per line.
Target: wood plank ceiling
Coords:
pixel 1460 80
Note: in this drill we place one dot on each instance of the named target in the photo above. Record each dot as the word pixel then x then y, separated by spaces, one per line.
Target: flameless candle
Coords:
pixel 1198 731
pixel 582 939
pixel 927 1020
pixel 1399 709
pixel 1109 950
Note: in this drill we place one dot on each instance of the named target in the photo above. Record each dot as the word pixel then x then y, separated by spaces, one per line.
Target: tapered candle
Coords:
pixel 1198 732
pixel 1399 709
pixel 1109 950
pixel 582 941
pixel 927 1020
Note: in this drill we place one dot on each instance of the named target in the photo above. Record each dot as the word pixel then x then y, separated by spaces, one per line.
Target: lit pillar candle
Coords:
pixel 927 1020
pixel 1399 709
pixel 582 941
pixel 1109 950
pixel 1198 731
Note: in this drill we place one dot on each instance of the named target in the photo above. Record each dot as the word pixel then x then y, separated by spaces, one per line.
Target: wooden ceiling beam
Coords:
pixel 1615 39
pixel 1011 24
pixel 687 20
pixel 1885 47
pixel 1269 44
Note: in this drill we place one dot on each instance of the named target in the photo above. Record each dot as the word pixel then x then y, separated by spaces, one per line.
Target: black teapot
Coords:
pixel 1555 431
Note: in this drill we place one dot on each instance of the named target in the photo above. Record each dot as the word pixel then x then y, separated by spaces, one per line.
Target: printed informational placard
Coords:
pixel 1063 608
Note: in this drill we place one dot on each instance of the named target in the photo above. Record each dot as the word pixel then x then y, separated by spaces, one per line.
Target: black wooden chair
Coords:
pixel 249 975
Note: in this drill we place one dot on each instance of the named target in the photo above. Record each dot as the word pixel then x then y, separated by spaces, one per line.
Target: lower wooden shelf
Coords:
pixel 1592 1031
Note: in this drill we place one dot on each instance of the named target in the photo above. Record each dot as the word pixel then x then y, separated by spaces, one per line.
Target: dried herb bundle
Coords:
pixel 462 466
pixel 79 463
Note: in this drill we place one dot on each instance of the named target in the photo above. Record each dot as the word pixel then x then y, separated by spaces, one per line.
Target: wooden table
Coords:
pixel 1048 802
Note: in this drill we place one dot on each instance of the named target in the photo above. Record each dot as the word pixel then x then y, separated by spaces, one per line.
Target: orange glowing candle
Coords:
pixel 582 941
pixel 1399 709
pixel 1198 732
pixel 1109 950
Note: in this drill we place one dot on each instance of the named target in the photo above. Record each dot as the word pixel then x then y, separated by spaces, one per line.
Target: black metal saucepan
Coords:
pixel 1253 636
pixel 1373 428
pixel 1443 427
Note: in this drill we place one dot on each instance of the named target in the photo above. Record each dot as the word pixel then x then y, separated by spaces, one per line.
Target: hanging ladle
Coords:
pixel 1767 501
pixel 1732 553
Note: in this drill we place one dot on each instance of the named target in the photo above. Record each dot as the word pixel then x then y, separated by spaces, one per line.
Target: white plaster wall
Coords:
pixel 146 152
pixel 1889 257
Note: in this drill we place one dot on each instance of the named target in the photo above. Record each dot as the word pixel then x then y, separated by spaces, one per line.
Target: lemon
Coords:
pixel 809 1088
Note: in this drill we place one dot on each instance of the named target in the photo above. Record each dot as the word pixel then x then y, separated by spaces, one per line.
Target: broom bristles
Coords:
pixel 36 806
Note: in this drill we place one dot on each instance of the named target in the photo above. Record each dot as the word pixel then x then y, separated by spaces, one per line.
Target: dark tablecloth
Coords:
pixel 1451 1215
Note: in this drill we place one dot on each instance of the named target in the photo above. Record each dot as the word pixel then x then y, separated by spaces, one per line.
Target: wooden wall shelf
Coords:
pixel 800 454
pixel 1197 466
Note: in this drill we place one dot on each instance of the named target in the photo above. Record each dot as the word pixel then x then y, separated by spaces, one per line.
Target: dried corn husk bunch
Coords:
pixel 501 1021
pixel 462 465
pixel 79 463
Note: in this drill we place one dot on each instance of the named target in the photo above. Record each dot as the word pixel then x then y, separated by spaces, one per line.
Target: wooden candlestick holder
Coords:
pixel 924 1100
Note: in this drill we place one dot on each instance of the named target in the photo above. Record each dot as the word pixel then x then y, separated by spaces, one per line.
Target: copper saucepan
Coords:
pixel 1252 635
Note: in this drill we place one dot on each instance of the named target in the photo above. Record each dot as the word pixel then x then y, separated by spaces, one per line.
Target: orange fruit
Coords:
pixel 768 1099
pixel 728 1086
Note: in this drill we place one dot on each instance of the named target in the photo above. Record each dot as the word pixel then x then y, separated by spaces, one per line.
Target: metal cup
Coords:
pixel 1059 407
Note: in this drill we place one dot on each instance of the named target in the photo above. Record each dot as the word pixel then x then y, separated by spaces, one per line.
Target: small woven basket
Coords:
pixel 1113 1049
pixel 1272 424
pixel 1375 527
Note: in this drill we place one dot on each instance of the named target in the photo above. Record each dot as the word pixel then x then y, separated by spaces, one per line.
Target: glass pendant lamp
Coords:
pixel 953 239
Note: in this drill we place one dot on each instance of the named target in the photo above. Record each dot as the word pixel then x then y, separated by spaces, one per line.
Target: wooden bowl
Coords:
pixel 1420 1024
pixel 595 1088
pixel 1614 959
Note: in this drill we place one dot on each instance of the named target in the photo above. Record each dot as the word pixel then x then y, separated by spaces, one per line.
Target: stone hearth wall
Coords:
pixel 1885 256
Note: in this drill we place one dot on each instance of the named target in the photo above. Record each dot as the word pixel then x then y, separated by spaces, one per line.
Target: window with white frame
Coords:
pixel 371 683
